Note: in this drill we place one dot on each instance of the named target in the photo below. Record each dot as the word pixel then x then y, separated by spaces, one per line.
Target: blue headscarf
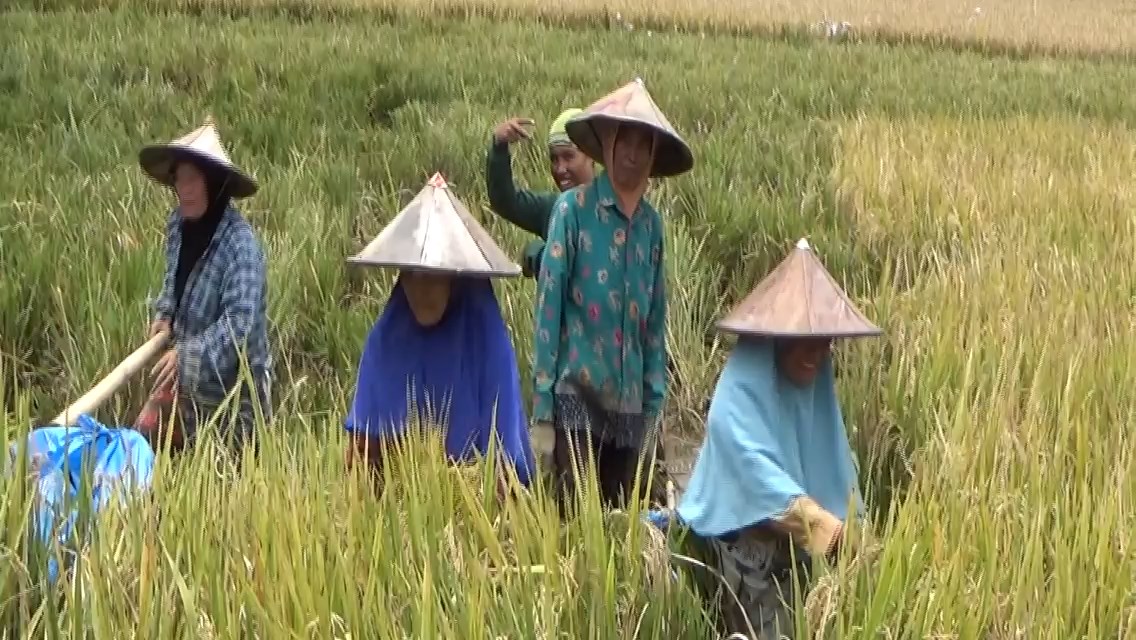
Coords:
pixel 767 443
pixel 463 371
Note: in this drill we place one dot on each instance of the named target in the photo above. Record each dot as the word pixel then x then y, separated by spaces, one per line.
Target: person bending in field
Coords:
pixel 213 297
pixel 527 209
pixel 601 310
pixel 440 353
pixel 774 479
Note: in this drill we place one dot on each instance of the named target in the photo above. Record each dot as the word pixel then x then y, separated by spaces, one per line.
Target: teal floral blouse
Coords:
pixel 601 312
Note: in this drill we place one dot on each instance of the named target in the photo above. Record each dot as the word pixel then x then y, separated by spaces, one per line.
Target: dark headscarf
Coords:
pixel 197 234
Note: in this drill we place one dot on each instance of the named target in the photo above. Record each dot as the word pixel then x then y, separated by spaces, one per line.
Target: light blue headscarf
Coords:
pixel 768 442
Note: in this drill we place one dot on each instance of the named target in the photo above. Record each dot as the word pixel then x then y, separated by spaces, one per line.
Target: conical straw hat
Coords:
pixel 435 232
pixel 798 299
pixel 203 144
pixel 632 104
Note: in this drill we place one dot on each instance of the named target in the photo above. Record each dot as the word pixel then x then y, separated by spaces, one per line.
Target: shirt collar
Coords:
pixel 605 193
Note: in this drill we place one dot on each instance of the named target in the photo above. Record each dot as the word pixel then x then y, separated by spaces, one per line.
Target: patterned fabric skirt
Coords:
pixel 615 448
pixel 759 570
pixel 623 430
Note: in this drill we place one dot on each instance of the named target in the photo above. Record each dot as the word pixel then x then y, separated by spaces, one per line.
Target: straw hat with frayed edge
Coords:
pixel 632 104
pixel 798 299
pixel 436 233
pixel 202 145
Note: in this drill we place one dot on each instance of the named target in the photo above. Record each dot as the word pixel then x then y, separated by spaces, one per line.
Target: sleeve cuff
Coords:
pixel 161 309
pixel 813 527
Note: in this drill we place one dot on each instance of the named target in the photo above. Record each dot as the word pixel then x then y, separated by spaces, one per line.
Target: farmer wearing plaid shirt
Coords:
pixel 213 296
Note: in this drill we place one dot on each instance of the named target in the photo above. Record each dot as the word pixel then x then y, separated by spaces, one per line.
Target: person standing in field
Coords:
pixel 527 209
pixel 440 353
pixel 775 479
pixel 530 210
pixel 602 301
pixel 213 297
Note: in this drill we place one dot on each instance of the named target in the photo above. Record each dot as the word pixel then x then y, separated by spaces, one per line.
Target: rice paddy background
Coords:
pixel 978 204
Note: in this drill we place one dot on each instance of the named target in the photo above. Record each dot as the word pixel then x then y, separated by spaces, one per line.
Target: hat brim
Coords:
pixel 158 161
pixel 787 335
pixel 417 268
pixel 672 158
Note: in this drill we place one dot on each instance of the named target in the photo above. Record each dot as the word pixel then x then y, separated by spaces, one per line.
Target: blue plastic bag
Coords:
pixel 120 460
pixel 660 518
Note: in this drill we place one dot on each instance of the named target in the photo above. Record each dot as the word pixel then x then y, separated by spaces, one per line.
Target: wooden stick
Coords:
pixel 114 380
pixel 532 568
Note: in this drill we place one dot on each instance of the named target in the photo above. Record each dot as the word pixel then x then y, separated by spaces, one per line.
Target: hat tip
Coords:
pixel 437 181
pixel 803 244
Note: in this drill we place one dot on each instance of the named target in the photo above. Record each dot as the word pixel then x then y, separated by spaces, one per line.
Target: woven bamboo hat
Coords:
pixel 798 299
pixel 202 145
pixel 632 104
pixel 437 233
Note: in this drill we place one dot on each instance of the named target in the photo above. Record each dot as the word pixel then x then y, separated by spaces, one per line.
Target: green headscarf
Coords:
pixel 557 136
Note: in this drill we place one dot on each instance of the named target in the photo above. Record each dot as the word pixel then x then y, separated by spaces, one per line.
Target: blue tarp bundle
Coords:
pixel 660 518
pixel 120 461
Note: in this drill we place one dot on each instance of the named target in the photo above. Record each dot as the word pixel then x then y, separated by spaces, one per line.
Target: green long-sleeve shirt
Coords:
pixel 528 210
pixel 601 314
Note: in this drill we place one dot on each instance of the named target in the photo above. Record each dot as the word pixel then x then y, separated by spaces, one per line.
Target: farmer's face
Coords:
pixel 631 156
pixel 569 166
pixel 193 197
pixel 428 295
pixel 800 359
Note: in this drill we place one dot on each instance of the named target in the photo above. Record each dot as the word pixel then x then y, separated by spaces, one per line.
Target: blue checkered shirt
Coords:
pixel 223 315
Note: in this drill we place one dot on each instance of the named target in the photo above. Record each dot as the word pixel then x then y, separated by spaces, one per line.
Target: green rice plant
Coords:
pixel 974 205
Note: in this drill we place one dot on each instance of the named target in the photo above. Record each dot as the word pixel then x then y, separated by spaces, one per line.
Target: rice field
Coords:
pixel 1019 27
pixel 977 205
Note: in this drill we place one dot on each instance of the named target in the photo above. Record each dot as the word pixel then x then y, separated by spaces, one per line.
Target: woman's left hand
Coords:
pixel 165 369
